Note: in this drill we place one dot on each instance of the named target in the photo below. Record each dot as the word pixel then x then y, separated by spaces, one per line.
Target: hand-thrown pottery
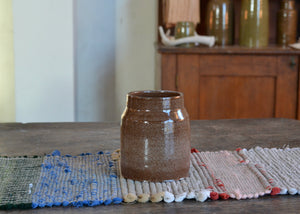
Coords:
pixel 155 136
pixel 287 23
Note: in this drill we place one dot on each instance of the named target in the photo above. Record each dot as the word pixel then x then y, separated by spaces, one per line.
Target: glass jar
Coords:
pixel 185 29
pixel 219 21
pixel 254 23
pixel 287 23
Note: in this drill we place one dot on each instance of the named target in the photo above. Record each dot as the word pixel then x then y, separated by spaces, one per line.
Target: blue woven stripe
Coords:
pixel 84 180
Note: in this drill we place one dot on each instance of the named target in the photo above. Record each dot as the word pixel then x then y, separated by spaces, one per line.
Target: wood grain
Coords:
pixel 169 68
pixel 219 86
pixel 287 85
pixel 233 65
pixel 223 97
pixel 298 105
pixel 188 83
pixel 207 135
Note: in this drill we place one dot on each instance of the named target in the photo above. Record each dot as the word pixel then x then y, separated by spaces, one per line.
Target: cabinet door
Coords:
pixel 233 86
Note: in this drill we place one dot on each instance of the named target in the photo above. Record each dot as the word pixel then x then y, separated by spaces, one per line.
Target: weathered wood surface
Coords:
pixel 208 135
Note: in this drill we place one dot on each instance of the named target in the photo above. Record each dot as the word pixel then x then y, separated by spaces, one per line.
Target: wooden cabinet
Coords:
pixel 274 6
pixel 233 82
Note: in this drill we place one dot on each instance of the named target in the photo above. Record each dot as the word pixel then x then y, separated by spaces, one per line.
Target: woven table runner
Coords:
pixel 94 179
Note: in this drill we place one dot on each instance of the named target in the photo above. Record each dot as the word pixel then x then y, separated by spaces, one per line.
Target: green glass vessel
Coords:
pixel 219 21
pixel 185 29
pixel 254 23
pixel 287 23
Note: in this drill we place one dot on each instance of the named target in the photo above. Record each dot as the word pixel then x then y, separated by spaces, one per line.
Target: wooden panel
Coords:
pixel 237 65
pixel 298 106
pixel 287 85
pixel 188 82
pixel 236 97
pixel 168 71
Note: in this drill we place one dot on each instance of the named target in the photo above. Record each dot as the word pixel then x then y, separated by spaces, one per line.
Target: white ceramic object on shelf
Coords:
pixel 295 45
pixel 204 40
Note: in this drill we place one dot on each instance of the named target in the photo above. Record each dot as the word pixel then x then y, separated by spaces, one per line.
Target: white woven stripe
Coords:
pixel 281 164
pixel 258 155
pixel 244 174
pixel 238 179
pixel 205 174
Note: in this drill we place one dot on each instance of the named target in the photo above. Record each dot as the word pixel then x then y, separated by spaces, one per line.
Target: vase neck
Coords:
pixel 287 4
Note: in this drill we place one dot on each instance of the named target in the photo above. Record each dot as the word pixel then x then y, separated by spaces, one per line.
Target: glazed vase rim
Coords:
pixel 155 94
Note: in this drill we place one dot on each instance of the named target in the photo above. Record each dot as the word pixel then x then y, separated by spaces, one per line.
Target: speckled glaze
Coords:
pixel 155 136
pixel 287 23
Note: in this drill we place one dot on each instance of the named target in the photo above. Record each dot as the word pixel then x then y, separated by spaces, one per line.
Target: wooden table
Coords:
pixel 209 135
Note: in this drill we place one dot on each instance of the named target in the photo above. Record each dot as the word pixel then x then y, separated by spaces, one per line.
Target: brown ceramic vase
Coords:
pixel 155 136
pixel 287 23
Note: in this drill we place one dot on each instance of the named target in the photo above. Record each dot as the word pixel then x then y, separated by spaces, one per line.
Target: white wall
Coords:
pixel 95 60
pixel 77 59
pixel 135 51
pixel 44 60
pixel 7 83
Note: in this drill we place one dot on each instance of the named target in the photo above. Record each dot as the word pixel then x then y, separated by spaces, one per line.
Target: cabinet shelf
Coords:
pixel 234 82
pixel 201 28
pixel 235 49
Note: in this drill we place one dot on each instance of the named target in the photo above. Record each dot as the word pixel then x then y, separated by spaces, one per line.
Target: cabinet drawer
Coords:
pixel 236 65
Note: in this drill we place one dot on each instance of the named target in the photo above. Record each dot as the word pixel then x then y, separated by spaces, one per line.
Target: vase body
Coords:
pixel 155 136
pixel 254 23
pixel 219 21
pixel 185 29
pixel 287 23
